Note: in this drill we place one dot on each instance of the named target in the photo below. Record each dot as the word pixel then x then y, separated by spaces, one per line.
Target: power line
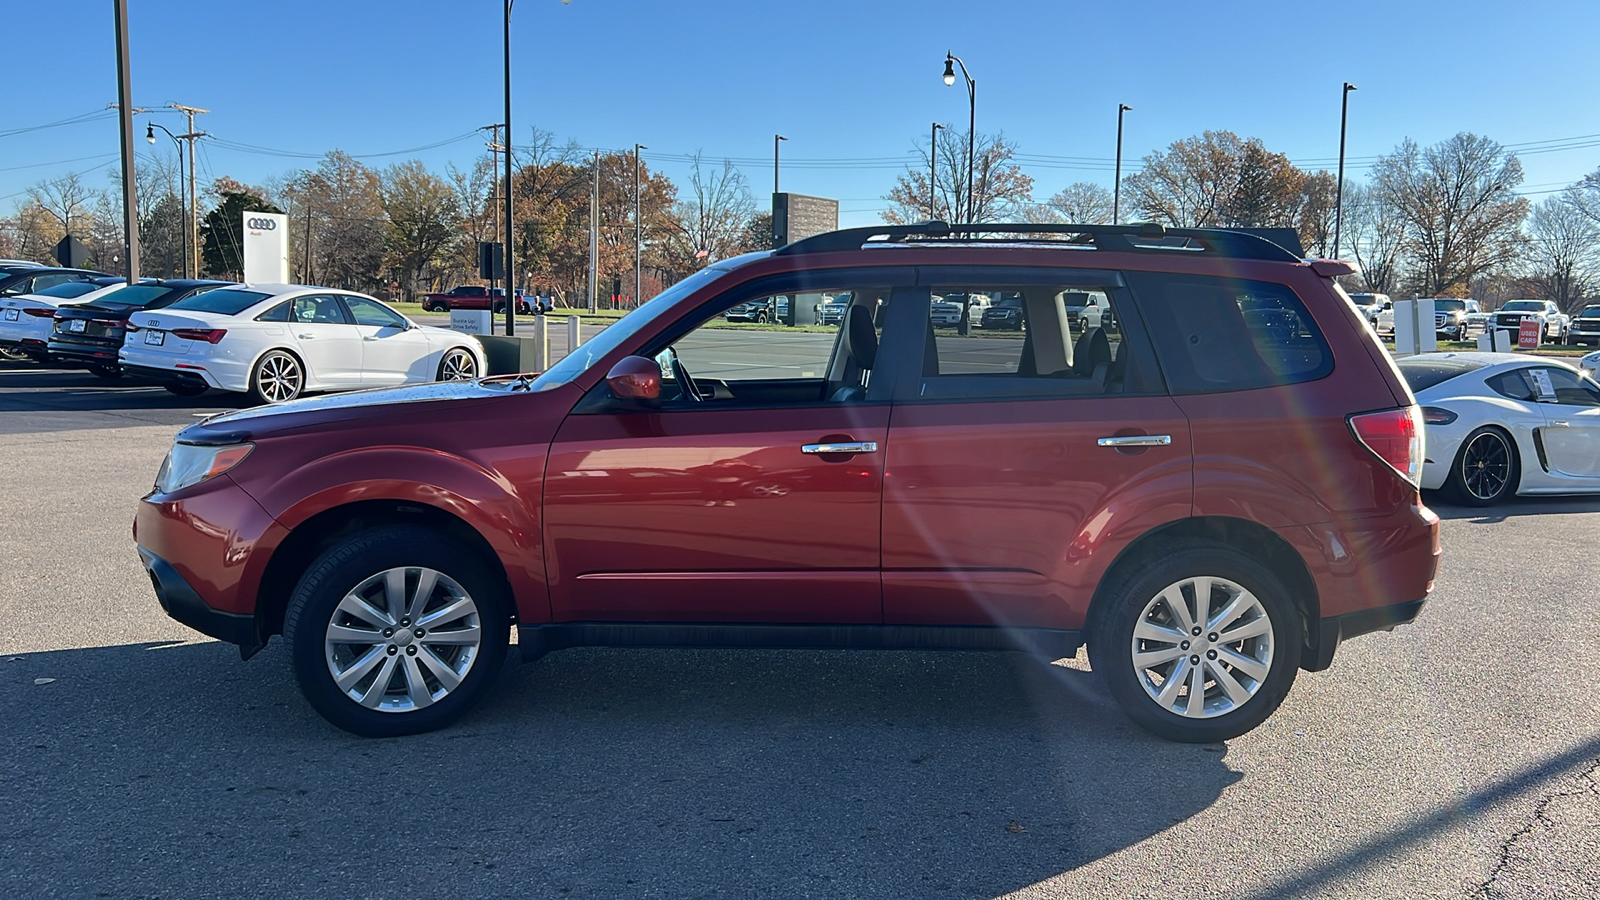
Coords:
pixel 104 113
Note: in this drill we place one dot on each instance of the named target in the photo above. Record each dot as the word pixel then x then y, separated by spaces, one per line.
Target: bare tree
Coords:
pixel 1000 189
pixel 1562 256
pixel 713 215
pixel 1080 203
pixel 1374 234
pixel 66 198
pixel 1460 208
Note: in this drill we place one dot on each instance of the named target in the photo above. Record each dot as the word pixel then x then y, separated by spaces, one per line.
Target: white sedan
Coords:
pixel 25 319
pixel 1499 424
pixel 276 342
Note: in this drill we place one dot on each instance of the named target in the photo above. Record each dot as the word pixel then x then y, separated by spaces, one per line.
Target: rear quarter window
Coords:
pixel 1224 334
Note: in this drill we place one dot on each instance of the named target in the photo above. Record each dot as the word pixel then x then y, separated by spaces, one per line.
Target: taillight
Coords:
pixel 1394 436
pixel 1433 415
pixel 40 313
pixel 209 335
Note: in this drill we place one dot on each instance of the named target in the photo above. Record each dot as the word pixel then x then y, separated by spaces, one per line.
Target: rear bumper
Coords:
pixel 180 377
pixel 1338 629
pixel 87 354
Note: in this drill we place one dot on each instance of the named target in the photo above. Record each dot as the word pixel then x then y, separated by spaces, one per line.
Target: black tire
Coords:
pixel 278 377
pixel 340 571
pixel 1476 474
pixel 761 318
pixel 1125 599
pixel 109 373
pixel 186 390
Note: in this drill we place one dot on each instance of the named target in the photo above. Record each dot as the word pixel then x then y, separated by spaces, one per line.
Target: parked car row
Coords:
pixel 273 342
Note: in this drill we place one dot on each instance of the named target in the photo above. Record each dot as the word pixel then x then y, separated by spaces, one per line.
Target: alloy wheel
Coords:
pixel 1202 647
pixel 1486 465
pixel 403 639
pixel 279 378
pixel 458 365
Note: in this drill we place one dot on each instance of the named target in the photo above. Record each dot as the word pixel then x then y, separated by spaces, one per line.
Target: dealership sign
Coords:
pixel 266 248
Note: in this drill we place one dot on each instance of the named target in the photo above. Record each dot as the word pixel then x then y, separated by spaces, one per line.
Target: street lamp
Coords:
pixel 1338 195
pixel 950 62
pixel 933 171
pixel 1116 187
pixel 775 139
pixel 638 228
pixel 150 138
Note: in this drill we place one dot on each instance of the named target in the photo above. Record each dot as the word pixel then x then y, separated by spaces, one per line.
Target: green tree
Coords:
pixel 221 240
pixel 423 217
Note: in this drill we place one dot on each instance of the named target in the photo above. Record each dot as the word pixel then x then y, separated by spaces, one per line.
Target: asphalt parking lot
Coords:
pixel 1456 757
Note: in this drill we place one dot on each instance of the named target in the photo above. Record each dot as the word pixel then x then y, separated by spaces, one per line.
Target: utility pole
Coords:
pixel 511 302
pixel 494 198
pixel 594 238
pixel 638 229
pixel 194 231
pixel 130 192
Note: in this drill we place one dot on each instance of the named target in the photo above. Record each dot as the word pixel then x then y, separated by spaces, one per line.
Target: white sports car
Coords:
pixel 1499 424
pixel 25 319
pixel 276 342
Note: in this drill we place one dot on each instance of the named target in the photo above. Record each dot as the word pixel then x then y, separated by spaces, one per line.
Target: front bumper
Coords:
pixel 182 603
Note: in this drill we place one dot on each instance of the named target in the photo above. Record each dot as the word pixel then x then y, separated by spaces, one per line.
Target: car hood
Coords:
pixel 233 426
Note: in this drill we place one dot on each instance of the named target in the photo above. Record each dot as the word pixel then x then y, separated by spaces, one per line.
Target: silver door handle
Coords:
pixel 305 337
pixel 1559 423
pixel 1136 440
pixel 851 447
pixel 369 337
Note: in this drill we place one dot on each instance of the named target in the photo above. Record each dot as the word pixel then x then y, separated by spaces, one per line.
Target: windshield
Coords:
pixel 574 364
pixel 226 301
pixel 1422 373
pixel 1590 312
pixel 1446 305
pixel 1523 306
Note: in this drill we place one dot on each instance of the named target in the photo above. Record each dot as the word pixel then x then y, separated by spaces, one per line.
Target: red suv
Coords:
pixel 1212 488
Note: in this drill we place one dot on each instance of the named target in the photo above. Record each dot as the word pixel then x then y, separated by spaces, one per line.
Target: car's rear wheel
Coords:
pixel 1198 645
pixel 186 390
pixel 109 373
pixel 278 377
pixel 1486 469
pixel 458 365
pixel 398 630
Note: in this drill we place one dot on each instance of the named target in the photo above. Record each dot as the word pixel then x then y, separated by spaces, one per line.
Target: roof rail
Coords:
pixel 1148 236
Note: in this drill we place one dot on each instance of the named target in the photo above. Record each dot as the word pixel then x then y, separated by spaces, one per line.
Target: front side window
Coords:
pixel 743 354
pixel 371 312
pixel 1225 334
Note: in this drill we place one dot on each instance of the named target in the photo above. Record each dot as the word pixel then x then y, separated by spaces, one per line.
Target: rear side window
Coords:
pixel 279 313
pixel 224 301
pixel 1226 334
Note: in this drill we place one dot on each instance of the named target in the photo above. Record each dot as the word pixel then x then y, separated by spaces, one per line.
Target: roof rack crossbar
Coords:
pixel 1120 238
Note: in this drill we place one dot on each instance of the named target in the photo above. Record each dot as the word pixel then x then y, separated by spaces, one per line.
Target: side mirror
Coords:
pixel 635 378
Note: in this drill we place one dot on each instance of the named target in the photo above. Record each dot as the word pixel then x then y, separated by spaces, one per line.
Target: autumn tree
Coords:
pixel 1460 208
pixel 1218 180
pixel 422 216
pixel 1000 189
pixel 711 218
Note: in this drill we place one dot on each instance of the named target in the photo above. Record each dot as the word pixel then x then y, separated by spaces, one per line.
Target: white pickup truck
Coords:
pixel 1553 323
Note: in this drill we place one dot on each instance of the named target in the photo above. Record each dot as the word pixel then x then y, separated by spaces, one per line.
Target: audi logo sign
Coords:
pixel 260 224
pixel 265 247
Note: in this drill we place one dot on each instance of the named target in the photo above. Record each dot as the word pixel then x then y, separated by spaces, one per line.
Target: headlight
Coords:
pixel 188 464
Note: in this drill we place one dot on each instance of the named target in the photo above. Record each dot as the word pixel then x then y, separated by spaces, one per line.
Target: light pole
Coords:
pixel 150 138
pixel 638 229
pixel 933 171
pixel 1116 187
pixel 950 61
pixel 130 193
pixel 1338 194
pixel 775 139
pixel 510 267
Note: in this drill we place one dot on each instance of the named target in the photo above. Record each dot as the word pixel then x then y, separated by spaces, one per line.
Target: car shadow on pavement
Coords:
pixel 37 399
pixel 1516 507
pixel 178 770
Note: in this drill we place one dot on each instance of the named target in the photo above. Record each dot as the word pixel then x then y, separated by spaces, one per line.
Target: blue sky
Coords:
pixel 853 85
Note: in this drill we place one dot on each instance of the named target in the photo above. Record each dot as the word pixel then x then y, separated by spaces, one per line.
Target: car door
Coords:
pixel 1014 455
pixel 326 340
pixel 392 351
pixel 758 504
pixel 1571 432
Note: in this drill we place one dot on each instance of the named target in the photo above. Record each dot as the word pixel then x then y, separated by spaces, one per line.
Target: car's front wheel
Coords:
pixel 398 630
pixel 1199 645
pixel 1486 469
pixel 458 364
pixel 278 377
